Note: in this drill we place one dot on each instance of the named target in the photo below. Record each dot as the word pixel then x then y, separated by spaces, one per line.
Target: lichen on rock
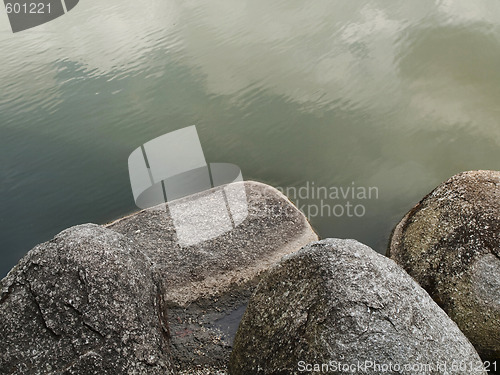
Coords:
pixel 450 244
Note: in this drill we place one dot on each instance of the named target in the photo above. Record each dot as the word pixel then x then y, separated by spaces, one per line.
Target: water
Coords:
pixel 229 323
pixel 398 97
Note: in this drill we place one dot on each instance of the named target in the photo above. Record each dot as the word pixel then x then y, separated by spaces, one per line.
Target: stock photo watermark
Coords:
pixel 315 200
pixel 374 367
pixel 173 166
pixel 26 14
pixel 202 199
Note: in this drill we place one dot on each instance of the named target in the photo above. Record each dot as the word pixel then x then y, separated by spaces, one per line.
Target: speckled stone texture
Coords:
pixel 339 302
pixel 450 244
pixel 84 303
pixel 128 299
pixel 209 282
pixel 274 227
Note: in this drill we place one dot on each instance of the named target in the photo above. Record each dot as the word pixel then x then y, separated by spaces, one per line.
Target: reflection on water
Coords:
pixel 399 97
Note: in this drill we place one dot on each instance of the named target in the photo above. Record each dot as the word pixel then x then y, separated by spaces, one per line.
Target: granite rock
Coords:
pixel 338 303
pixel 86 302
pixel 450 244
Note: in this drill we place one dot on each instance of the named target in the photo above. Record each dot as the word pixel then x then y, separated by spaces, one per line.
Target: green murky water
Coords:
pixel 334 94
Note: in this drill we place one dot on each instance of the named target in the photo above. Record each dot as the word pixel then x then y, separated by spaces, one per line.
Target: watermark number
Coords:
pixel 28 8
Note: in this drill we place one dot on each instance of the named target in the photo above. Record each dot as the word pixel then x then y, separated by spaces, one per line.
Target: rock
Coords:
pixel 339 303
pixel 450 244
pixel 273 228
pixel 84 303
pixel 208 284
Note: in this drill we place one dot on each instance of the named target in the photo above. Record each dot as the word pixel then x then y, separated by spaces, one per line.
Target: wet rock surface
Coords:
pixel 209 284
pixel 338 302
pixel 84 303
pixel 450 244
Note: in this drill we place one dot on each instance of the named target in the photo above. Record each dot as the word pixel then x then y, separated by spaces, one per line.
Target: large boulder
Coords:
pixel 209 283
pixel 450 244
pixel 272 228
pixel 84 303
pixel 336 307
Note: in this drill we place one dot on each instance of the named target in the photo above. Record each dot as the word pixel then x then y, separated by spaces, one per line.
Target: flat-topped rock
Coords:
pixel 272 228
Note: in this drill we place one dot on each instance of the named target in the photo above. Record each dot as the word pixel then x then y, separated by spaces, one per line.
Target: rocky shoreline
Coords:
pixel 126 298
